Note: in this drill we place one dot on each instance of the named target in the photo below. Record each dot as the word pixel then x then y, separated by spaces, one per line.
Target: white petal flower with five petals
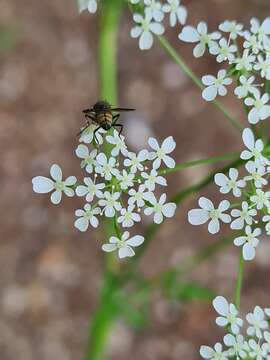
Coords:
pixel 228 314
pixel 89 158
pixel 230 183
pixel 249 242
pixel 215 85
pixel 208 212
pixel 159 208
pixel 90 189
pixel 161 152
pixel 110 203
pixel 123 245
pixel 144 29
pixel 87 216
pixel 43 185
pixel 199 35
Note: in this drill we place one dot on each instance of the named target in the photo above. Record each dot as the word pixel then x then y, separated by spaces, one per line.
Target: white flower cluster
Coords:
pixel 255 204
pixel 117 186
pixel 150 22
pixel 255 344
pixel 149 17
pixel 247 55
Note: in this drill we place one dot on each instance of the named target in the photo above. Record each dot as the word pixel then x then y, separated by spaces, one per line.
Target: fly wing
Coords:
pixel 86 111
pixel 122 109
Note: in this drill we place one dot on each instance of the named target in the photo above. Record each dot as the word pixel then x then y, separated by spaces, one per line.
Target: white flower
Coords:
pixel 119 143
pixel 86 217
pixel 259 111
pixel 237 344
pixel 153 10
pixel 123 245
pixel 263 65
pixel 207 352
pixel 126 179
pixel 177 12
pixel 266 219
pixel 245 62
pixel 228 314
pixel 89 158
pixel 135 161
pixel 230 183
pixel 208 212
pixel 90 5
pixel 256 174
pixel 110 203
pixel 246 86
pixel 106 167
pixel 192 35
pixel 244 216
pixel 215 85
pixel 134 1
pixel 159 208
pixel 255 148
pixel 261 30
pixel 261 199
pixel 223 50
pixel 128 217
pixel 87 135
pixel 43 185
pixel 257 322
pixel 231 27
pixel 256 350
pixel 251 42
pixel 152 179
pixel 161 152
pixel 249 242
pixel 144 29
pixel 137 197
pixel 90 189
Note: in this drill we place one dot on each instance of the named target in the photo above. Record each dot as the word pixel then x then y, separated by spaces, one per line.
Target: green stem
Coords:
pixel 107 310
pixel 239 281
pixel 185 68
pixel 178 199
pixel 209 160
pixel 199 257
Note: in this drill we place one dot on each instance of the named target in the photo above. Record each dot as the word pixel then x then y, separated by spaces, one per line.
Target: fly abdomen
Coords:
pixel 105 120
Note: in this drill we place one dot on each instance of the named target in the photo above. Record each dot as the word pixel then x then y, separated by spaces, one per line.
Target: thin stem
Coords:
pixel 209 160
pixel 199 257
pixel 239 281
pixel 106 312
pixel 185 68
pixel 178 199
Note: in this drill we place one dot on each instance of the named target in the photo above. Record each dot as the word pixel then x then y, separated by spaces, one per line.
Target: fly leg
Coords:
pixel 95 137
pixel 87 123
pixel 114 124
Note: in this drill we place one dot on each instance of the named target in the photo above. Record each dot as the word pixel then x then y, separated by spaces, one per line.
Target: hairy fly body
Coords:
pixel 105 116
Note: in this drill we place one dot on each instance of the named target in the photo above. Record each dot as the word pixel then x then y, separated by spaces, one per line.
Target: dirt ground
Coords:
pixel 51 274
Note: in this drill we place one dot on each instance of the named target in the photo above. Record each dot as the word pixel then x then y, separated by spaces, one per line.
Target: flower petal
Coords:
pixel 56 172
pixel 42 185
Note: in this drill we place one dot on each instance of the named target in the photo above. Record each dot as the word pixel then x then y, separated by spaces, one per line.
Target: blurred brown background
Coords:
pixel 50 274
